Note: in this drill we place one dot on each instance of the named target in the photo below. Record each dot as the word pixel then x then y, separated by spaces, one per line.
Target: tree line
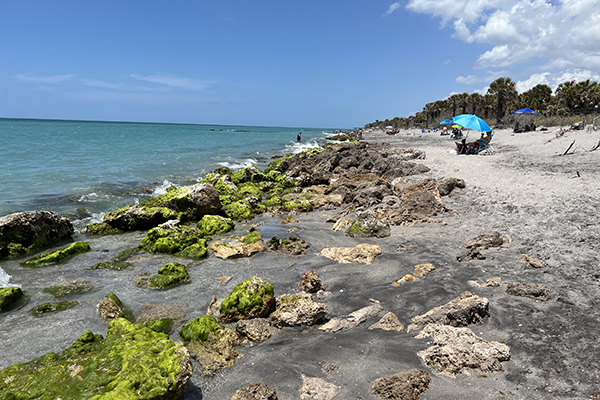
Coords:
pixel 569 98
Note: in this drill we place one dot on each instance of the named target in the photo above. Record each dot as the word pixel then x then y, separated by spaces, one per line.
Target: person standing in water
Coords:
pixel 299 137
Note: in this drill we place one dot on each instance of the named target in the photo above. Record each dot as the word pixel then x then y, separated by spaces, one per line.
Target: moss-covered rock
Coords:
pixel 250 299
pixel 191 202
pixel 169 275
pixel 251 189
pixel 298 205
pixel 239 211
pixel 133 362
pixel 9 296
pixel 102 228
pixel 138 217
pixel 162 325
pixel 273 202
pixel 274 165
pixel 215 225
pixel 244 175
pixel 210 343
pixel 181 241
pixel 111 308
pixel 50 308
pixel 69 288
pixel 54 257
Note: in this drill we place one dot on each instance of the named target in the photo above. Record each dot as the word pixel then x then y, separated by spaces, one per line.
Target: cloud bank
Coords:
pixel 560 37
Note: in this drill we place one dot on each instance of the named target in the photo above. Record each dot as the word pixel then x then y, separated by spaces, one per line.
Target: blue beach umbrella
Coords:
pixel 446 122
pixel 525 111
pixel 471 121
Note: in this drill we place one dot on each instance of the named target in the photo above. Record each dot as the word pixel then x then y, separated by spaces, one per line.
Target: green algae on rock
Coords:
pixel 111 308
pixel 162 325
pixel 169 275
pixel 69 288
pixel 250 299
pixel 238 245
pixel 215 225
pixel 133 362
pixel 101 228
pixel 50 308
pixel 239 210
pixel 9 296
pixel 53 257
pixel 210 343
pixel 181 241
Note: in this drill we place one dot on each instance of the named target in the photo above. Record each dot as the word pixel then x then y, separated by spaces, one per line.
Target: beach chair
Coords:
pixel 577 126
pixel 485 148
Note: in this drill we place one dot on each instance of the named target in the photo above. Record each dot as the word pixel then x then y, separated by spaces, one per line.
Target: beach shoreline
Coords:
pixel 544 201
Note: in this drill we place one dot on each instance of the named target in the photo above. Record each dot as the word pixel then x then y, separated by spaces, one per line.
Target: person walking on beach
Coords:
pixel 299 137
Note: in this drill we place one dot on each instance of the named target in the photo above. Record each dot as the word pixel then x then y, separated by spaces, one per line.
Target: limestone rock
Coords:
pixel 288 219
pixel 532 290
pixel 423 269
pixel 485 241
pixel 342 224
pixel 407 385
pixel 494 282
pixel 111 308
pixel 472 254
pixel 131 362
pixel 405 278
pixel 353 319
pixel 317 388
pixel 210 343
pixel 389 322
pixel 256 330
pixel 311 282
pixel 362 253
pixel 419 201
pixel 297 310
pixel 250 299
pixel 369 227
pixel 24 232
pixel 293 245
pixel 447 186
pixel 255 391
pixel 238 246
pixel 464 310
pixel 456 350
pixel 532 262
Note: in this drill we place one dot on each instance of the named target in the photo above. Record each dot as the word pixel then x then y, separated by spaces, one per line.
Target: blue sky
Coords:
pixel 326 63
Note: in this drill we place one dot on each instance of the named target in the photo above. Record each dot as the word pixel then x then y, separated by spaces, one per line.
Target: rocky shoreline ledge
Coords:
pixel 310 269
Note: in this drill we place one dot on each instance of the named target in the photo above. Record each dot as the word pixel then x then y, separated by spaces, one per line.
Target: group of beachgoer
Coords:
pixel 525 128
pixel 474 147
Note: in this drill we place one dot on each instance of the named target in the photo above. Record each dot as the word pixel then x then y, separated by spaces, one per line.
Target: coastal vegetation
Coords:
pixel 569 102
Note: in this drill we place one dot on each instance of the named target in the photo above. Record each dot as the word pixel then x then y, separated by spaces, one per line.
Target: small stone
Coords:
pixel 257 329
pixel 329 368
pixel 352 320
pixel 389 322
pixel 535 291
pixel 311 282
pixel 255 391
pixel 423 269
pixel 532 262
pixel 342 224
pixel 405 278
pixel 223 279
pixel 402 247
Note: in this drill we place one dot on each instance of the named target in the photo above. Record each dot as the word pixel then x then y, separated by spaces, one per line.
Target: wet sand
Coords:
pixel 526 190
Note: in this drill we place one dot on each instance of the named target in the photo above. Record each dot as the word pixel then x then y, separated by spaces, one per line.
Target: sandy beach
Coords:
pixel 545 202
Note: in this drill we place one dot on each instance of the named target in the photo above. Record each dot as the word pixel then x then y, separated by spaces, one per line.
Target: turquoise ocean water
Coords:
pixel 84 169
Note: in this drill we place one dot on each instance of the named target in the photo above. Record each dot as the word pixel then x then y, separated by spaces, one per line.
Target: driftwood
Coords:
pixel 565 153
pixel 596 146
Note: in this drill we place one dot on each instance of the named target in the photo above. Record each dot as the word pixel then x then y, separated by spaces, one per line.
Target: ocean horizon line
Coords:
pixel 159 123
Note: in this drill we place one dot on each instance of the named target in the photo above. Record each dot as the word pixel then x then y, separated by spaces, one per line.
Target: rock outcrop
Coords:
pixel 362 253
pixel 535 291
pixel 25 232
pixel 297 310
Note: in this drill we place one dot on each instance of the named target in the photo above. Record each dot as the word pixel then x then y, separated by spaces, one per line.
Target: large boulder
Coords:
pixel 132 362
pixel 193 201
pixel 297 310
pixel 133 218
pixel 455 350
pixel 28 231
pixel 250 299
pixel 466 309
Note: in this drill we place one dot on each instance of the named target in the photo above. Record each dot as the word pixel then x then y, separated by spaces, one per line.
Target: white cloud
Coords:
pixel 566 33
pixel 48 80
pixel 174 81
pixel 393 7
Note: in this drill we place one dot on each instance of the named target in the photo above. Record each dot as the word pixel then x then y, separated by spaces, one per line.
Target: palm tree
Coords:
pixel 476 101
pixel 503 89
pixel 566 94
